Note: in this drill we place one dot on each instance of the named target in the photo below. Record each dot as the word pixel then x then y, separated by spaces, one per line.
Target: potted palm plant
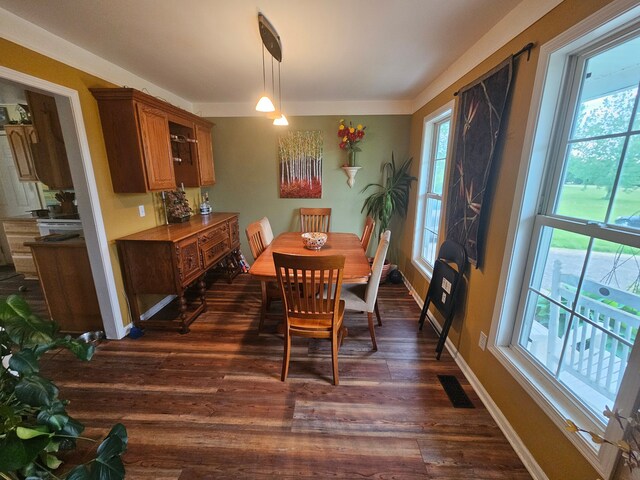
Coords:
pixel 392 195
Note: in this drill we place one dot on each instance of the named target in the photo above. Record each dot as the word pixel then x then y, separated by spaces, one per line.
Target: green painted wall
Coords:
pixel 247 171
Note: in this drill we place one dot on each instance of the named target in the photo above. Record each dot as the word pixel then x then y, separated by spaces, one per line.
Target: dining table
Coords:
pixel 356 265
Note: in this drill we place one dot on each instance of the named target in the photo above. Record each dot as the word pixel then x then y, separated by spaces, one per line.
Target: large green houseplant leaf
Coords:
pixel 34 424
pixel 392 195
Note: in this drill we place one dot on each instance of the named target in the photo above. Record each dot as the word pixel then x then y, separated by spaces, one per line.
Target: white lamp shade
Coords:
pixel 281 121
pixel 265 105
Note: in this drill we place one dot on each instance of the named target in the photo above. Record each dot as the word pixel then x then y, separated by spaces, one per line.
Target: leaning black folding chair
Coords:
pixel 445 287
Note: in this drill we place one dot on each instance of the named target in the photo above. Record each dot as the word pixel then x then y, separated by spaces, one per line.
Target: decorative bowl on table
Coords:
pixel 314 240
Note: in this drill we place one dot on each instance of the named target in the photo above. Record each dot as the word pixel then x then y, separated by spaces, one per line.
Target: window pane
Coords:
pixel 608 91
pixel 443 139
pixel 438 176
pixel 429 243
pixel 626 204
pixel 589 173
pixel 605 115
pixel 433 214
pixel 598 349
pixel 543 330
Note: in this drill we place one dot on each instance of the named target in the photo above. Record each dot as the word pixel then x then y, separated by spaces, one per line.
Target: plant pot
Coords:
pixel 386 268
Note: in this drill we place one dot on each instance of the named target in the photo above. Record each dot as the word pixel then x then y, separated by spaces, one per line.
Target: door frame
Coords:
pixel 84 182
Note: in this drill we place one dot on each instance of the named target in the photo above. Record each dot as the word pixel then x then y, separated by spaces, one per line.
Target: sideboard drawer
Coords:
pixel 213 236
pixel 213 252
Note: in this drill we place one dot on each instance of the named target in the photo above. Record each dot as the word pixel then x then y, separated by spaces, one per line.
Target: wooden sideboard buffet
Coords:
pixel 170 258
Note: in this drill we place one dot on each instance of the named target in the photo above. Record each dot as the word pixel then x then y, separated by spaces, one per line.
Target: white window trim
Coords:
pixel 428 132
pixel 549 78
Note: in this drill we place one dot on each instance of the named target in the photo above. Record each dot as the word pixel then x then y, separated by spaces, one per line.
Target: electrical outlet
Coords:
pixel 482 342
pixel 141 210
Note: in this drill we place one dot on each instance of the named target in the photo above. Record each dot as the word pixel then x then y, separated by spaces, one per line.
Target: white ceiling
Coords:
pixel 209 51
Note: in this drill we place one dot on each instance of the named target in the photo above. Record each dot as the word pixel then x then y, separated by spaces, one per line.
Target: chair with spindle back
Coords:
pixel 315 219
pixel 369 225
pixel 310 288
pixel 257 243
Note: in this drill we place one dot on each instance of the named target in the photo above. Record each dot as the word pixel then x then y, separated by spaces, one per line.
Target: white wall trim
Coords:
pixel 512 437
pixel 81 165
pixel 33 37
pixel 515 22
pixel 391 107
pixel 157 307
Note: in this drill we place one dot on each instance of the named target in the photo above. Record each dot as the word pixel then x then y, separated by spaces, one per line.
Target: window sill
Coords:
pixel 425 270
pixel 555 404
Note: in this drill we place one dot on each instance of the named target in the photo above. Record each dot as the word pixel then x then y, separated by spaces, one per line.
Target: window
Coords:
pixel 566 320
pixel 432 171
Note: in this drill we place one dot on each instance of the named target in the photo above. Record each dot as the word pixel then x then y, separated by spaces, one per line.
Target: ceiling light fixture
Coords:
pixel 280 120
pixel 264 104
pixel 271 41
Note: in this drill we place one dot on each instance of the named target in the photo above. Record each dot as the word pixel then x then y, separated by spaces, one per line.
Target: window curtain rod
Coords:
pixel 527 48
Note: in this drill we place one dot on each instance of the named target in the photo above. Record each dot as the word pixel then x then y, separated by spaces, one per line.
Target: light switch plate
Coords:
pixel 141 210
pixel 482 342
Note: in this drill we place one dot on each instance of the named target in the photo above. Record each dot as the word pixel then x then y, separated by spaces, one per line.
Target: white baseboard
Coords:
pixel 157 307
pixel 512 437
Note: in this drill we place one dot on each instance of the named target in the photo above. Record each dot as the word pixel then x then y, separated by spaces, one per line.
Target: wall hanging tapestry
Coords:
pixel 301 164
pixel 480 109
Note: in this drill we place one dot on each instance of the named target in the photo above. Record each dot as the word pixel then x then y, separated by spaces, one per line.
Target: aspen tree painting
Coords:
pixel 301 164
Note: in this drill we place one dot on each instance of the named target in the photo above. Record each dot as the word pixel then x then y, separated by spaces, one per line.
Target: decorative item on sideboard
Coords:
pixel 205 206
pixel 176 206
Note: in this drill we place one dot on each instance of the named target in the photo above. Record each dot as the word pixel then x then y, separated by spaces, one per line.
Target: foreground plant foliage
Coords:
pixel 34 425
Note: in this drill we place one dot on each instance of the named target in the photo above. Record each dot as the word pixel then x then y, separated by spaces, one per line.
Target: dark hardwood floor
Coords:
pixel 210 404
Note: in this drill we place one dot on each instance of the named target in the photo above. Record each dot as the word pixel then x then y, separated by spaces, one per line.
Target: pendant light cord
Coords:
pixel 264 75
pixel 279 87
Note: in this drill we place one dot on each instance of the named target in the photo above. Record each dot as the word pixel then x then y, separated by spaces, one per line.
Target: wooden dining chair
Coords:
pixel 257 245
pixel 364 297
pixel 369 225
pixel 315 219
pixel 310 288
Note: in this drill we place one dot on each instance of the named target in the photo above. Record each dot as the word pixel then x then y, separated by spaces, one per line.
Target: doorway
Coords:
pixel 75 140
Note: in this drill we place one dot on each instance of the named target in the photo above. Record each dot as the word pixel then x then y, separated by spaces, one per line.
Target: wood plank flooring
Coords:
pixel 210 404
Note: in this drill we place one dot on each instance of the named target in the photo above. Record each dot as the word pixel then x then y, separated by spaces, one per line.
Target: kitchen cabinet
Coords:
pixel 49 152
pixel 170 258
pixel 151 144
pixel 21 139
pixel 67 283
pixel 19 231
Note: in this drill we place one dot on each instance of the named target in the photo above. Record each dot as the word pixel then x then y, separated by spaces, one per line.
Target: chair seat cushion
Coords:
pixel 353 296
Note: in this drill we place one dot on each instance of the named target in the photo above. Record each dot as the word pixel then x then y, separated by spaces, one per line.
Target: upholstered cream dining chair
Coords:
pixel 364 297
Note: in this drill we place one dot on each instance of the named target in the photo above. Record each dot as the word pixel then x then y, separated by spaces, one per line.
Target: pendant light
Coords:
pixel 281 120
pixel 264 104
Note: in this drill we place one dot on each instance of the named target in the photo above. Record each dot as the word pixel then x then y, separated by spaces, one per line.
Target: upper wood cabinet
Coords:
pixel 49 153
pixel 151 144
pixel 38 150
pixel 21 138
pixel 205 153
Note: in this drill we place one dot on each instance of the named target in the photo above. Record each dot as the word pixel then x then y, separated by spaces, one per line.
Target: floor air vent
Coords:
pixel 455 392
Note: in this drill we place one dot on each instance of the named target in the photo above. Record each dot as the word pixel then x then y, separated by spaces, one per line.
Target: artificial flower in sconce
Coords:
pixel 349 138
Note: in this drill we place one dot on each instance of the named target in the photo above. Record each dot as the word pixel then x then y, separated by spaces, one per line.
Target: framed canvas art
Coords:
pixel 300 155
